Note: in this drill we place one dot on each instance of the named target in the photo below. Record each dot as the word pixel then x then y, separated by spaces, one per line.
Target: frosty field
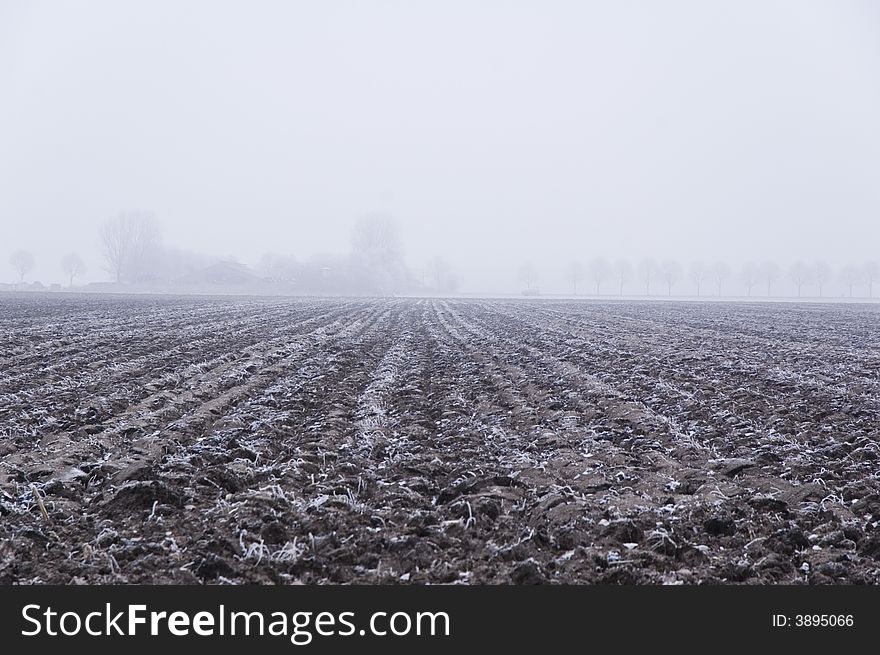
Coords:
pixel 189 440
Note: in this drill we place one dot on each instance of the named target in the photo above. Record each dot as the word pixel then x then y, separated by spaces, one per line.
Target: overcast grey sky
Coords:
pixel 493 131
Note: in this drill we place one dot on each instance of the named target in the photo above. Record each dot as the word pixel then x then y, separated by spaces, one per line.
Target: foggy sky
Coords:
pixel 493 131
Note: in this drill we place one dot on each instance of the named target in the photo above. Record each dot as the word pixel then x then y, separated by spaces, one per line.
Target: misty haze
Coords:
pixel 439 292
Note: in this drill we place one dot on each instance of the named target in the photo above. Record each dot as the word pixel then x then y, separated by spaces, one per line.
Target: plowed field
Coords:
pixel 191 440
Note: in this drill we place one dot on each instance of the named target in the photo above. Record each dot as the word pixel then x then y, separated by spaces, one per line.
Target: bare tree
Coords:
pixel 852 277
pixel 599 270
pixel 528 276
pixel 377 249
pixel 647 270
pixel 438 270
pixel 116 237
pixel 452 282
pixel 871 272
pixel 749 276
pixel 73 265
pixel 130 243
pixel 442 277
pixel 769 273
pixel 799 274
pixel 23 263
pixel 377 237
pixel 822 274
pixel 623 272
pixel 671 272
pixel 698 272
pixel 720 273
pixel 574 273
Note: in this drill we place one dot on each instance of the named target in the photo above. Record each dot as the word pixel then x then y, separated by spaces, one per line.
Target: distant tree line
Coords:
pixel 374 265
pixel 23 262
pixel 665 278
pixel 132 252
pixel 134 255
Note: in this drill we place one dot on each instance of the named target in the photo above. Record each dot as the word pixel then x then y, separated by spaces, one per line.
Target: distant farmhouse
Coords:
pixel 23 286
pixel 223 276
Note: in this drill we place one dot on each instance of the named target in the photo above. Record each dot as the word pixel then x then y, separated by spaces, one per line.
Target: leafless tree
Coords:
pixel 377 237
pixel 438 270
pixel 451 282
pixel 647 270
pixel 130 243
pixel 116 242
pixel 574 273
pixel 852 277
pixel 671 272
pixel 377 248
pixel 698 272
pixel 871 272
pixel 749 276
pixel 799 274
pixel 441 276
pixel 528 275
pixel 73 265
pixel 623 272
pixel 720 273
pixel 822 274
pixel 599 271
pixel 769 273
pixel 23 263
